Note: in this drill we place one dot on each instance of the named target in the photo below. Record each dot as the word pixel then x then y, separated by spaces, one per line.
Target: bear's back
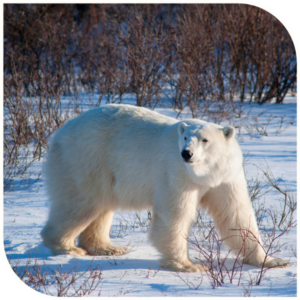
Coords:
pixel 131 114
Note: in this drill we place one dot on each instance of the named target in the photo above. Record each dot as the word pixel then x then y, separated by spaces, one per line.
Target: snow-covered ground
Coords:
pixel 265 138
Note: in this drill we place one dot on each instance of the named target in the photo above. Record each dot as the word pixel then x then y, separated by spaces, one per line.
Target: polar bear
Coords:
pixel 122 157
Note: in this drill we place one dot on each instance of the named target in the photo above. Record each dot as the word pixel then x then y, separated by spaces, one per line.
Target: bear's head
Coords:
pixel 210 152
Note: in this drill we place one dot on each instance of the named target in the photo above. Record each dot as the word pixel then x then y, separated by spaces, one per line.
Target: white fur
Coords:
pixel 121 157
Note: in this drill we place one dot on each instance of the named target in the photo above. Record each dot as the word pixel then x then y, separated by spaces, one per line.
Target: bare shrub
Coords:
pixel 65 284
pixel 285 217
pixel 131 222
pixel 210 249
pixel 28 122
pixel 186 280
pixel 148 52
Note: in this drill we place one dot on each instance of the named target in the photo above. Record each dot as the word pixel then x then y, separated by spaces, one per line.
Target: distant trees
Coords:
pixel 185 53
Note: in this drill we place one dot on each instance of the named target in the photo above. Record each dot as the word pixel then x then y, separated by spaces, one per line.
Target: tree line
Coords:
pixel 183 53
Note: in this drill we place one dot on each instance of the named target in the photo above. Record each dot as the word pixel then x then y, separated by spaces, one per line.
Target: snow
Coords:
pixel 138 272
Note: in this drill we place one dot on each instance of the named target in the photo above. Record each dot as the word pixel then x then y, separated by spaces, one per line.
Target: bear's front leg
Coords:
pixel 231 208
pixel 170 228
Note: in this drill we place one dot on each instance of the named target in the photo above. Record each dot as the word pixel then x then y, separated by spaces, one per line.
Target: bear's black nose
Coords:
pixel 186 154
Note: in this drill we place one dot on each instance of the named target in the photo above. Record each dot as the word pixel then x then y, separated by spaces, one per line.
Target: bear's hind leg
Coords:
pixel 61 244
pixel 95 238
pixel 61 230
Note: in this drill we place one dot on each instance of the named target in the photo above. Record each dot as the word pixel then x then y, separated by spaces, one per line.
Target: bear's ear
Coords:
pixel 229 132
pixel 181 127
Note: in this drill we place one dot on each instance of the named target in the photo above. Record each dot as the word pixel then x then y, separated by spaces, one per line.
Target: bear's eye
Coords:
pixel 204 140
pixel 185 138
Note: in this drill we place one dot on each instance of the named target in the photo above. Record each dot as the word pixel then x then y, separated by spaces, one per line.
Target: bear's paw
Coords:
pixel 273 262
pixel 108 250
pixel 187 267
pixel 74 251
